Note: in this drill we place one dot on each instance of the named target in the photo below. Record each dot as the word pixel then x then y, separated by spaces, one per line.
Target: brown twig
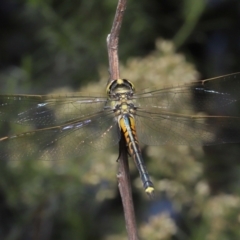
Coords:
pixel 124 183
pixel 112 40
pixel 125 189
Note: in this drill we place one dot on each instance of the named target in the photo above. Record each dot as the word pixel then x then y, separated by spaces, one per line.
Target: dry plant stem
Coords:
pixel 124 183
pixel 112 40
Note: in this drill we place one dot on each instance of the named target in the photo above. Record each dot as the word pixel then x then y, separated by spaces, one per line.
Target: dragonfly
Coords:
pixel 66 126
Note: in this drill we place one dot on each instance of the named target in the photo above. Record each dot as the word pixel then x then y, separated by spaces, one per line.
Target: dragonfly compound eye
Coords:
pixel 119 86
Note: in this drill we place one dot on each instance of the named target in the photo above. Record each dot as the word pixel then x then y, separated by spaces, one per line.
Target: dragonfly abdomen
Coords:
pixel 127 125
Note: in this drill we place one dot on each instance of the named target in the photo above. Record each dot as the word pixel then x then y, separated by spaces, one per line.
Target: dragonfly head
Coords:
pixel 119 86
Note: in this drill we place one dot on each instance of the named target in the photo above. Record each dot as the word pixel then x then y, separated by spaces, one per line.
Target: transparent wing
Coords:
pixel 78 137
pixel 48 110
pixel 216 96
pixel 169 115
pixel 172 128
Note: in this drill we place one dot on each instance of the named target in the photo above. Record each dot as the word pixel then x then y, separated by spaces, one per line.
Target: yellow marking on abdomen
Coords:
pixel 126 134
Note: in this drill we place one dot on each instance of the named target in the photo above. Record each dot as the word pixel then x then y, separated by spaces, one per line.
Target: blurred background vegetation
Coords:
pixel 54 46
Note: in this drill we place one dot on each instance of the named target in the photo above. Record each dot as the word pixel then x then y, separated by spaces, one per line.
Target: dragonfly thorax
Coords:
pixel 124 108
